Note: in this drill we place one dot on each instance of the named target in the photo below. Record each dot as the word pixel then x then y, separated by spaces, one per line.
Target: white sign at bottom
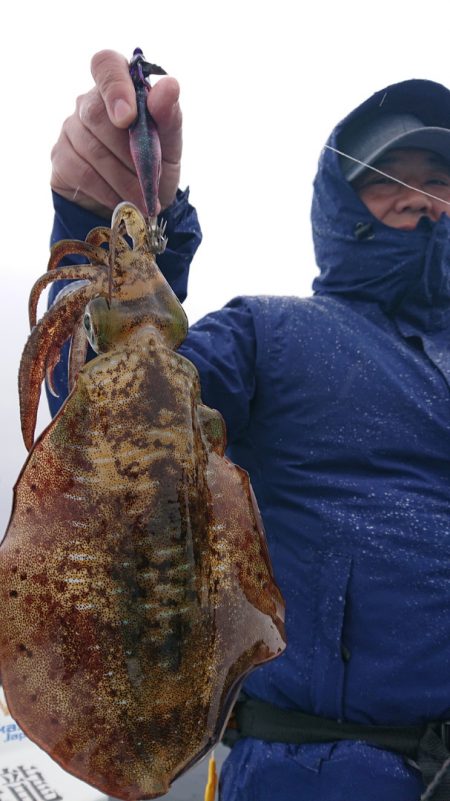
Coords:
pixel 27 773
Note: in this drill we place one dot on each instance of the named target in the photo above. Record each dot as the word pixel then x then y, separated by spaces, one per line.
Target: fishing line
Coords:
pixel 386 175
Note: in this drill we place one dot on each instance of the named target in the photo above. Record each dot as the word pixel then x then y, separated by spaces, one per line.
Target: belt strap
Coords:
pixel 254 718
pixel 425 744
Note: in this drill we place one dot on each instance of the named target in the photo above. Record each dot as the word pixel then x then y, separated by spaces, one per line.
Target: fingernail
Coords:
pixel 121 111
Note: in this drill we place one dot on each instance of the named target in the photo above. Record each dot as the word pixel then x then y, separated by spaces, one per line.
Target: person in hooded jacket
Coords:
pixel 338 407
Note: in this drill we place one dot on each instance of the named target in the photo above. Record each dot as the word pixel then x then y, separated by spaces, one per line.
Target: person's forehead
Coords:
pixel 400 156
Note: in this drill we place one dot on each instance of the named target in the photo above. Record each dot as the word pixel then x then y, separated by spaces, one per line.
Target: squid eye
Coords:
pixel 87 323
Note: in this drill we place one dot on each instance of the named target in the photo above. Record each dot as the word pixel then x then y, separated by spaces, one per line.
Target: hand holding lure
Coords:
pixel 145 145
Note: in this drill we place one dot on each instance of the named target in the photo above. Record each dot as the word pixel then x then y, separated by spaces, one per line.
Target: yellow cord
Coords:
pixel 211 785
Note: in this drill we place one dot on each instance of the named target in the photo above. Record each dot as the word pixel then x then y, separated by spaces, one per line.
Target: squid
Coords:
pixel 136 587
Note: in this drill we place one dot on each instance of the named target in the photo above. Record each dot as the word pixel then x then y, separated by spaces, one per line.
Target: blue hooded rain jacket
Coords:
pixel 338 406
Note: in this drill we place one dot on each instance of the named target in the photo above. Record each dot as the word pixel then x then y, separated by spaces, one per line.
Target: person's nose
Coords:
pixel 413 200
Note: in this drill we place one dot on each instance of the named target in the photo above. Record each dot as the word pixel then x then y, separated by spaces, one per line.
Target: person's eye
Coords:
pixel 379 181
pixel 438 181
pixel 375 180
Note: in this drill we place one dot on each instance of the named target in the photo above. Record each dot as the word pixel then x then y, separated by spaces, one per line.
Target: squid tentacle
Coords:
pixel 75 247
pixel 47 338
pixel 98 236
pixel 102 236
pixel 72 272
pixel 53 357
pixel 78 351
pixel 125 216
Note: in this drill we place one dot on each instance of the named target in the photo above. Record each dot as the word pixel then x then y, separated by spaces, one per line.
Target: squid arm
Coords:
pixel 42 352
pixel 72 272
pixel 78 351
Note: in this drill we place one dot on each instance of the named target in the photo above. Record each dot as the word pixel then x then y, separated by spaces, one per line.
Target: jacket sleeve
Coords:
pixel 184 236
pixel 223 347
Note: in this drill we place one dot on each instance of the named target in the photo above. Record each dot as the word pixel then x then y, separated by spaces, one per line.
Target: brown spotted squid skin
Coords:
pixel 136 588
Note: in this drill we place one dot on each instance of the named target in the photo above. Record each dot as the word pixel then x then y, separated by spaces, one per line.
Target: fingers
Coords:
pixel 91 120
pixel 110 72
pixel 90 174
pixel 163 105
pixel 92 163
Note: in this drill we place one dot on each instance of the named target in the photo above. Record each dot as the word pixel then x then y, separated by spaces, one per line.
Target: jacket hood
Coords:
pixel 406 272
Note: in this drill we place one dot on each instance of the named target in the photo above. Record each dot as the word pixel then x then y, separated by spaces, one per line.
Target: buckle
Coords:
pixel 444 733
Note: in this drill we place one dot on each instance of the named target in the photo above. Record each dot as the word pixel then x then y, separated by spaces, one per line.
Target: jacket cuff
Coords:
pixel 74 222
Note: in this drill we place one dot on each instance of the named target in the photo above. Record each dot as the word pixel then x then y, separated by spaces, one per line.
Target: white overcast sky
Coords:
pixel 263 83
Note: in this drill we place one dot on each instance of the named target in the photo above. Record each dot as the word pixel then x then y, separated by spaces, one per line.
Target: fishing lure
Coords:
pixel 144 143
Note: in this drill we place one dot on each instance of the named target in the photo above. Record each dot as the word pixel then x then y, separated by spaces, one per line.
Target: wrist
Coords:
pixel 81 201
